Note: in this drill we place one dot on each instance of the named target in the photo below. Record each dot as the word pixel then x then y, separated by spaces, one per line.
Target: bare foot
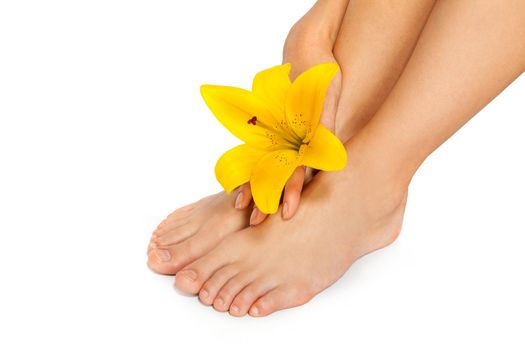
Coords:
pixel 190 232
pixel 281 264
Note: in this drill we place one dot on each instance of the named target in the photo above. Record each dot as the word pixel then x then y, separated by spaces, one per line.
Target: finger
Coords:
pixel 257 217
pixel 243 196
pixel 292 193
pixel 309 174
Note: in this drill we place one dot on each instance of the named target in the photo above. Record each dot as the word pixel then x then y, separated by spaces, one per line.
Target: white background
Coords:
pixel 103 133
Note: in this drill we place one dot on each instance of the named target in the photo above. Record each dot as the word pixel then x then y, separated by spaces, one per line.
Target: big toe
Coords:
pixel 159 260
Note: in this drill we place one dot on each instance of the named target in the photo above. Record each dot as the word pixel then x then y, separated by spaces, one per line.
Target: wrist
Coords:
pixel 329 15
pixel 320 25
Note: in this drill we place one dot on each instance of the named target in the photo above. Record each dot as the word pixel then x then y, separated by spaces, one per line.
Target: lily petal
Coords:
pixel 269 177
pixel 272 85
pixel 244 114
pixel 304 102
pixel 325 151
pixel 234 167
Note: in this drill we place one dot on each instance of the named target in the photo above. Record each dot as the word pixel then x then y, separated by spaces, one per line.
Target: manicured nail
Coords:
pixel 234 309
pixel 189 274
pixel 163 255
pixel 286 211
pixel 238 201
pixel 254 311
pixel 253 216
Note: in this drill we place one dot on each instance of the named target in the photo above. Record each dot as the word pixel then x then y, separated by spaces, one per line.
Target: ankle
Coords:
pixel 382 160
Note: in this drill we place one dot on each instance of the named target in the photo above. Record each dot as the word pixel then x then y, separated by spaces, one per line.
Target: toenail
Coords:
pixel 234 309
pixel 219 302
pixel 189 274
pixel 238 201
pixel 254 311
pixel 204 294
pixel 163 255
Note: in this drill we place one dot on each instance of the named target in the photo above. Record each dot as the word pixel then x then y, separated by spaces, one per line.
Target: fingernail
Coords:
pixel 189 274
pixel 286 211
pixel 253 216
pixel 163 255
pixel 254 311
pixel 238 201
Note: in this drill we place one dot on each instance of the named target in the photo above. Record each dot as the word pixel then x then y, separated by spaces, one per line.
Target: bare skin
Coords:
pixel 468 53
pixel 188 234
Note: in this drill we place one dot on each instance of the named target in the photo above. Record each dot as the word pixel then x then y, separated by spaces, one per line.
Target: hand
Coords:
pixel 309 42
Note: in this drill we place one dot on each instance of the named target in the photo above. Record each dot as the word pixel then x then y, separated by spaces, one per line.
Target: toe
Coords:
pixel 194 275
pixel 151 246
pixel 169 259
pixel 278 299
pixel 211 287
pixel 159 260
pixel 230 291
pixel 244 300
pixel 175 234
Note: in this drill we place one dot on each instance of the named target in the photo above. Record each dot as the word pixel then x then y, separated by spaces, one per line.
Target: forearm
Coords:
pixel 317 29
pixel 330 15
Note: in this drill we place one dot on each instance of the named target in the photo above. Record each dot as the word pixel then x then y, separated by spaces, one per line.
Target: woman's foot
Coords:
pixel 190 232
pixel 281 264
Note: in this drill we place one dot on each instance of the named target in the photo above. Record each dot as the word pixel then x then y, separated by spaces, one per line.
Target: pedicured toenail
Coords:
pixel 189 274
pixel 163 255
pixel 254 311
pixel 234 309
pixel 238 201
pixel 204 294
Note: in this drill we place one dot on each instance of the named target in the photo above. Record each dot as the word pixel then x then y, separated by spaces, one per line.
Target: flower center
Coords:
pixel 291 138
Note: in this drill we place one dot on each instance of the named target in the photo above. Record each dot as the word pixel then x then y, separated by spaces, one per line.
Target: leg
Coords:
pixel 369 70
pixel 468 53
pixel 374 44
pixel 190 232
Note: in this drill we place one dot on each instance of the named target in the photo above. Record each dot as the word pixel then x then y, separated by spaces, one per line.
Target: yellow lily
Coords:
pixel 279 122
